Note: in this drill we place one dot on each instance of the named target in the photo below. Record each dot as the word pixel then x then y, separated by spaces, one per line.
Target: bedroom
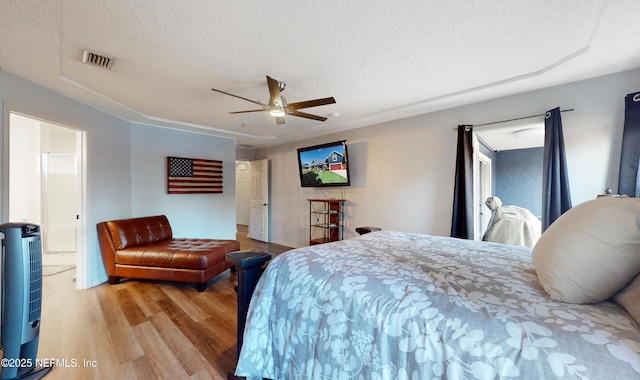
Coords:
pixel 117 149
pixel 417 197
pixel 592 134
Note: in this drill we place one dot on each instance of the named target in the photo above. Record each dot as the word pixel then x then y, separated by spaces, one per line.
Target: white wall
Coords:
pixel 25 163
pixel 113 179
pixel 403 170
pixel 190 215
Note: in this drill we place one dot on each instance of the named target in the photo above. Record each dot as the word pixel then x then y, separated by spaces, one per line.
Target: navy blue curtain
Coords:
pixel 462 219
pixel 556 198
pixel 629 179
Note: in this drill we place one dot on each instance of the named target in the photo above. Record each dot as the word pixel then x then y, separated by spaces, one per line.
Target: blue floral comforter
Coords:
pixel 390 305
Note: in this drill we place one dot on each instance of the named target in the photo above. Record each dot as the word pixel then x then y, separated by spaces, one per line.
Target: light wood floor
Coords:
pixel 141 329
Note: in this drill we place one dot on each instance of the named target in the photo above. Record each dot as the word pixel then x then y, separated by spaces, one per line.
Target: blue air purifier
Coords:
pixel 21 300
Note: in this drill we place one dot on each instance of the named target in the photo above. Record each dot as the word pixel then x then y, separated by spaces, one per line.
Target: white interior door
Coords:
pixel 60 203
pixel 484 188
pixel 259 201
pixel 481 190
pixel 243 177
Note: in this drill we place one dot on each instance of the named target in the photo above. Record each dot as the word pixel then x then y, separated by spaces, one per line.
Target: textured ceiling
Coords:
pixel 380 60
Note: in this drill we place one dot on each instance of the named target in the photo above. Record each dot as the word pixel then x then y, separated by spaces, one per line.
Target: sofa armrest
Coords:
pixel 107 248
pixel 250 266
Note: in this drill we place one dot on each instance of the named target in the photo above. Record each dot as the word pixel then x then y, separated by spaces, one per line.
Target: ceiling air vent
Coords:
pixel 97 59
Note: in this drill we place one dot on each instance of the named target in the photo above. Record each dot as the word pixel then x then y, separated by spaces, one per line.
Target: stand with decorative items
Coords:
pixel 326 217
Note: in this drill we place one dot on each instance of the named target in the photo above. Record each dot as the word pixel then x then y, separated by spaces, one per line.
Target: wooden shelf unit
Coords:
pixel 326 217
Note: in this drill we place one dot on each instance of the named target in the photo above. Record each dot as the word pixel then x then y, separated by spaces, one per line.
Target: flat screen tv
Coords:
pixel 324 165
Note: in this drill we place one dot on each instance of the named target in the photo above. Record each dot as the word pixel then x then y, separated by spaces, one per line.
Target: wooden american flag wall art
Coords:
pixel 193 175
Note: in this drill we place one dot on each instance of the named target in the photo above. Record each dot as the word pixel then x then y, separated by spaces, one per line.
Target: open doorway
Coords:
pixel 45 184
pixel 515 152
pixel 252 199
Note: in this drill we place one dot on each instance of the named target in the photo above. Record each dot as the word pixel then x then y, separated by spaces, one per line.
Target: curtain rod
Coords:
pixel 467 127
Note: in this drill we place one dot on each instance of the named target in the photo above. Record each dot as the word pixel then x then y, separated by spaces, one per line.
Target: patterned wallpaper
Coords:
pixel 518 178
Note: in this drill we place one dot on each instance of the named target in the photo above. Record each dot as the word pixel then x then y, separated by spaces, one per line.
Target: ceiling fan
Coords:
pixel 278 106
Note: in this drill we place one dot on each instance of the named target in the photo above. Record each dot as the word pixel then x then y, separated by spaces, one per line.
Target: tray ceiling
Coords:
pixel 379 60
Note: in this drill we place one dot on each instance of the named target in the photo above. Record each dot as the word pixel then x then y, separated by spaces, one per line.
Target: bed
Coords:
pixel 395 305
pixel 511 224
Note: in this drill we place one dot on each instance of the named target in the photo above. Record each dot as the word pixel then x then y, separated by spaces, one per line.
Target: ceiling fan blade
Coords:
pixel 306 115
pixel 311 103
pixel 275 99
pixel 247 111
pixel 239 97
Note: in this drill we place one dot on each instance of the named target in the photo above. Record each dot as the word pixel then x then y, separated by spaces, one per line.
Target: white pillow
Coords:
pixel 590 252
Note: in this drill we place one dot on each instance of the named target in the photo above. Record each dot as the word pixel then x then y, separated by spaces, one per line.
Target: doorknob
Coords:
pixel 264 204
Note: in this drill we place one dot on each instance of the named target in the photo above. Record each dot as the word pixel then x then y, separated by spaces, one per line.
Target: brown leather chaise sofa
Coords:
pixel 144 248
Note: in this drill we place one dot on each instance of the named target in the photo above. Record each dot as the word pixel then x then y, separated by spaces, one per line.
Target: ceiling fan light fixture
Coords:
pixel 529 132
pixel 277 110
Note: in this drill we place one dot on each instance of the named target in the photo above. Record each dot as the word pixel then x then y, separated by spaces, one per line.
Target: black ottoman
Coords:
pixel 366 230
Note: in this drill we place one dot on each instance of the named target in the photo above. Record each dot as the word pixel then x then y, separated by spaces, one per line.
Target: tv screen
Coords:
pixel 324 165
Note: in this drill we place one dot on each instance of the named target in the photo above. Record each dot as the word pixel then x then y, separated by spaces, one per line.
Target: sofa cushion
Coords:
pixel 591 252
pixel 178 253
pixel 139 231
